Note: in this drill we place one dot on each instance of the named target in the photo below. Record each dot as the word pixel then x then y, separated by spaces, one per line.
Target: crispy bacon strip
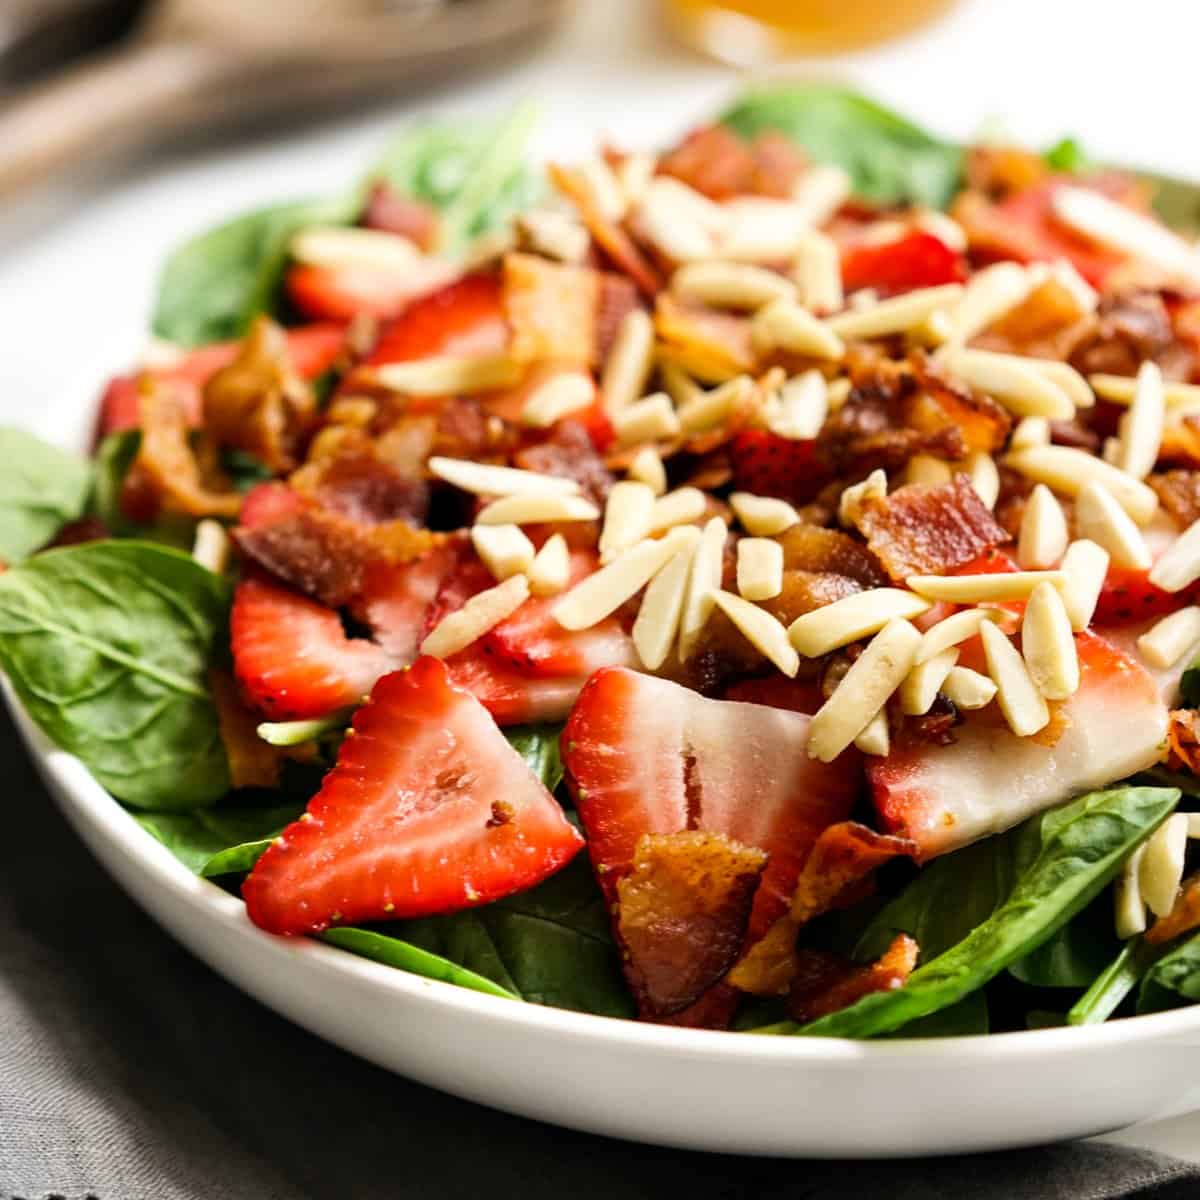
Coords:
pixel 827 983
pixel 252 762
pixel 929 529
pixel 714 161
pixel 1183 740
pixel 683 911
pixel 711 345
pixel 1048 323
pixel 551 308
pixel 1183 918
pixel 1179 492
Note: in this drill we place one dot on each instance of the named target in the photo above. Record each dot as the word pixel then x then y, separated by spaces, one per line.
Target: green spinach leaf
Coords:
pixel 1082 846
pixel 200 838
pixel 1068 155
pixel 1076 954
pixel 1174 980
pixel 1111 985
pixel 538 746
pixel 967 1018
pixel 109 645
pixel 41 489
pixel 890 159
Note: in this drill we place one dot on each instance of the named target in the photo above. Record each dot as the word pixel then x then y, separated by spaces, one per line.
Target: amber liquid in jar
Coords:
pixel 756 30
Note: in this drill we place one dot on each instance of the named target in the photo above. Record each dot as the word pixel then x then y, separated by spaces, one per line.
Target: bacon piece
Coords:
pixel 1048 323
pixel 1183 917
pixel 827 983
pixel 778 165
pixel 812 548
pixel 568 451
pixel 929 529
pixel 390 211
pixel 253 763
pixel 683 910
pixel 1130 329
pixel 983 423
pixel 616 298
pixel 1179 492
pixel 365 489
pixel 709 344
pixel 713 161
pixel 551 308
pixel 1183 740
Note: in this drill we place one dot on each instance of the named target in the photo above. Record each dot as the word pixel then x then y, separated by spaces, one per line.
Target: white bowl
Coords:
pixel 677 1087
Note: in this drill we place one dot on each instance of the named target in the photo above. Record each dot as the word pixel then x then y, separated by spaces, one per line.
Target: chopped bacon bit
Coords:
pixel 253 763
pixel 929 529
pixel 611 238
pixel 778 164
pixel 828 983
pixel 804 591
pixel 777 691
pixel 1048 323
pixel 551 308
pixel 1130 329
pixel 616 298
pixel 683 911
pixel 843 855
pixel 707 343
pixel 568 451
pixel 1183 740
pixel 811 548
pixel 392 212
pixel 770 965
pixel 1183 918
pixel 364 488
pixel 1179 492
pixel 999 170
pixel 984 424
pixel 934 728
pixel 713 161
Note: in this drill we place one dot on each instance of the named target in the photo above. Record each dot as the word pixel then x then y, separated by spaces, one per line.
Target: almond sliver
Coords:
pixel 722 284
pixel 1161 869
pixel 651 419
pixel 763 516
pixel 483 479
pixel 629 362
pixel 766 634
pixel 626 518
pixel 872 678
pixel 1099 518
pixel 1142 425
pixel 504 549
pixel 1121 389
pixel 759 568
pixel 850 506
pixel 851 618
pixel 984 476
pixel 784 325
pixel 968 689
pixel 1066 469
pixel 482 612
pixel 989 294
pixel 1179 564
pixel 1085 565
pixel 537 510
pixel 817 271
pixel 1048 644
pixel 710 409
pixel 820 191
pixel 1030 431
pixel 551 569
pixel 1129 909
pixel 211 545
pixel 680 507
pixel 1168 641
pixel 704 582
pixel 1011 380
pixel 875 739
pixel 897 315
pixel 953 631
pixel 922 684
pixel 1023 706
pixel 558 396
pixel 982 589
pixel 447 376
pixel 335 247
pixel 647 467
pixel 1043 536
pixel 802 408
pixel 657 623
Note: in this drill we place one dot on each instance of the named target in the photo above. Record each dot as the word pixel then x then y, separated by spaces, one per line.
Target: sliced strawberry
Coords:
pixel 988 779
pixel 915 260
pixel 769 465
pixel 292 657
pixel 397 600
pixel 428 810
pixel 533 642
pixel 777 691
pixel 463 318
pixel 266 503
pixel 1128 596
pixel 343 293
pixel 511 697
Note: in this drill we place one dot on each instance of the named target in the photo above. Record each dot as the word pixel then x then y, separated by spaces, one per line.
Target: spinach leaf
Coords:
pixel 1174 980
pixel 1114 983
pixel 965 1019
pixel 407 957
pixel 1069 156
pixel 200 838
pixel 1189 686
pixel 1082 846
pixel 109 645
pixel 1076 954
pixel 550 945
pixel 41 489
pixel 890 159
pixel 538 746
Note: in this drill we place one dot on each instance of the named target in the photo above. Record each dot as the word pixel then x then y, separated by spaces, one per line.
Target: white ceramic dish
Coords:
pixel 691 1088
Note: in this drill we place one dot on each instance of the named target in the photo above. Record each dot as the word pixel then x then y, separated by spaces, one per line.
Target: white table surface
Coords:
pixel 77 264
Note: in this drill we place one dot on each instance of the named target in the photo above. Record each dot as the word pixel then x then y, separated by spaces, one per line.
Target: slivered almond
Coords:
pixel 1064 272
pixel 551 569
pixel 1023 706
pixel 1030 431
pixel 953 630
pixel 1099 518
pixel 537 510
pixel 335 247
pixel 1085 565
pixel 602 593
pixel 1043 537
pixel 759 568
pixel 872 678
pixel 1067 378
pixel 875 739
pixel 504 549
pixel 723 284
pixel 710 409
pixel 820 191
pixel 802 408
pixel 761 630
pixel 1066 469
pixel 678 220
pixel 558 396
pixel 553 234
pixel 763 516
pixel 1167 641
pixel 1142 425
pixel 761 229
pixel 933 331
pixel 1129 909
pixel 984 476
pixel 657 622
pixel 945 228
pixel 650 419
pixel 922 684
pixel 1011 380
pixel 1193 825
pixel 680 507
pixel 784 325
pixel 968 689
pixel 982 589
pixel 926 469
pixel 448 376
pixel 1048 645
pixel 989 294
pixel 1110 451
pixel 1179 564
pixel 1161 870
pixel 681 387
pixel 629 362
pixel 704 581
pixel 897 315
pixel 817 272
pixel 647 467
pixel 855 497
pixel 851 618
pixel 838 392
pixel 626 518
pixel 211 545
pixel 482 612
pixel 1104 220
pixel 484 479
pixel 634 173
pixel 603 187
pixel 1121 389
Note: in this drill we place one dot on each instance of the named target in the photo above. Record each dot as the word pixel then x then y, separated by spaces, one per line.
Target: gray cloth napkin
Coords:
pixel 129 1071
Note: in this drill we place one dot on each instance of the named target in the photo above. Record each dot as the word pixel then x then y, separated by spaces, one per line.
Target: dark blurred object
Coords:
pixel 39 35
pixel 193 64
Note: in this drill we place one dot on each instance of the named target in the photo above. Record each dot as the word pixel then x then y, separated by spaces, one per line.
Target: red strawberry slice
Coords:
pixel 292 657
pixel 428 810
pixel 266 503
pixel 645 755
pixel 342 293
pixel 988 779
pixel 534 643
pixel 769 465
pixel 1128 596
pixel 510 696
pixel 915 260
pixel 464 318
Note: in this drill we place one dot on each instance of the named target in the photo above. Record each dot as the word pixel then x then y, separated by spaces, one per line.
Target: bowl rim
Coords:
pixel 76 788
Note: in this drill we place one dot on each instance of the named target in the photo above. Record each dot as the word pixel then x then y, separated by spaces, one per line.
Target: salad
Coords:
pixel 752 586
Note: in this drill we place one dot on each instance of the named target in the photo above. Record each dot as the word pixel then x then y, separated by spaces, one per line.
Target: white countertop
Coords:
pixel 77 266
